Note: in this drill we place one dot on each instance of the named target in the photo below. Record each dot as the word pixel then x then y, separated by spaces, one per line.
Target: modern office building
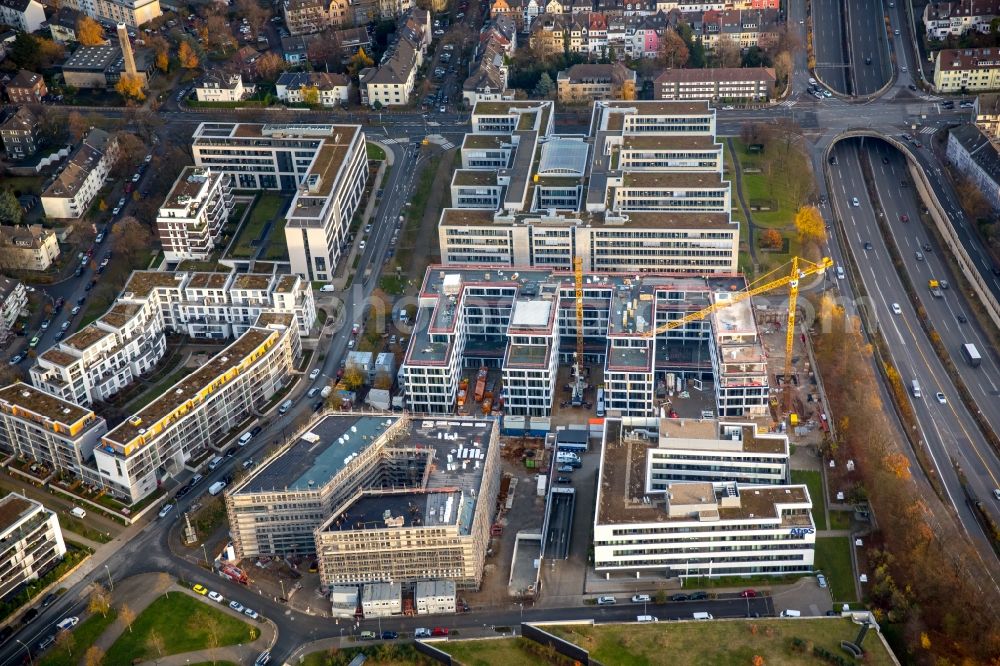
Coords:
pixel 193 214
pixel 325 165
pixel 523 321
pixel 722 83
pixel 82 177
pixel 199 411
pixel 31 542
pixel 694 528
pixel 643 192
pixel 133 13
pixel 377 498
pixel 47 429
pixel 129 339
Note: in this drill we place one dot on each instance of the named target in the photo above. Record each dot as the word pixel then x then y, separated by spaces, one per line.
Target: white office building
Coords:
pixel 193 214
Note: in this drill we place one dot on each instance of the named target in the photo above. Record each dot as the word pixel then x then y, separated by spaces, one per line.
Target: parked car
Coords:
pixel 68 623
pixel 215 596
pixel 748 594
pixel 439 631
pixel 251 613
pixel 314 374
pixel 237 606
pixel 389 635
pixel 200 589
pixel 821 580
pixel 421 632
pixel 167 508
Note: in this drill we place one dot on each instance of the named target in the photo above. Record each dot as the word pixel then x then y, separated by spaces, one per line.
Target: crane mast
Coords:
pixel 578 383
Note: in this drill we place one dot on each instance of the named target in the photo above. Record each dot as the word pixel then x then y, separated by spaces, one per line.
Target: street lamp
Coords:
pixel 30 660
pixel 111 583
pixel 282 589
pixel 205 552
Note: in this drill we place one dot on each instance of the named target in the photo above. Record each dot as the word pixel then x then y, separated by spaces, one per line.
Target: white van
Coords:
pixel 245 438
pixel 606 601
pixel 327 288
pixel 77 512
pixel 791 613
pixel 600 402
pixel 214 462
pixel 285 406
pixel 915 388
pixel 702 616
pixel 646 618
pixel 641 599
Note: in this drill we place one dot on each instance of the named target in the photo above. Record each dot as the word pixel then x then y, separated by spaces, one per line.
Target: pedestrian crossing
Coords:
pixel 927 130
pixel 441 141
pixel 788 103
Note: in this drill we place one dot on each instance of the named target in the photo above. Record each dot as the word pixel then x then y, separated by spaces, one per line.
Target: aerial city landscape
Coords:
pixel 499 332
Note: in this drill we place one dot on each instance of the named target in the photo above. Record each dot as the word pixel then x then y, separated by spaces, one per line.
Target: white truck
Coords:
pixel 216 488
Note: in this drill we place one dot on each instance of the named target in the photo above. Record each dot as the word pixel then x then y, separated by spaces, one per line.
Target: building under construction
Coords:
pixel 377 499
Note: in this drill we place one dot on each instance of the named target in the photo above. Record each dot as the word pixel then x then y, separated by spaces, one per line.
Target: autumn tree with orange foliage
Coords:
pixel 89 32
pixel 130 87
pixel 187 56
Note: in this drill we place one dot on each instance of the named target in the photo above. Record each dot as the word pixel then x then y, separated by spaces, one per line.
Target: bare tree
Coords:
pixel 727 52
pixel 100 600
pixel 94 656
pixel 127 616
pixel 155 643
pixel 64 641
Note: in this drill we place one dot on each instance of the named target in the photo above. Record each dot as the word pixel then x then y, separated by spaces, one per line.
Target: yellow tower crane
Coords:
pixel 800 268
pixel 578 365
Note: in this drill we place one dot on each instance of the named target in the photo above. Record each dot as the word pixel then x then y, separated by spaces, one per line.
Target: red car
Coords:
pixel 748 594
pixel 904 218
pixel 440 631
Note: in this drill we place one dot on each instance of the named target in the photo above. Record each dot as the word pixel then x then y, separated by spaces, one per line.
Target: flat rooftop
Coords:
pixel 684 433
pixel 86 337
pixel 14 508
pixel 189 186
pixel 670 142
pixel 142 283
pixel 660 179
pixel 188 388
pixel 29 399
pixel 376 510
pixel 208 281
pixel 121 314
pixel 307 465
pixel 258 281
pixel 656 108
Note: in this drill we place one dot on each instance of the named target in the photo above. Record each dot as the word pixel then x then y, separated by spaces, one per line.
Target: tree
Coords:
pixel 51 124
pixel 155 642
pixel 131 238
pixel 78 125
pixel 24 52
pixel 270 65
pixel 810 226
pixel 771 238
pixel 127 616
pixel 754 57
pixel 545 86
pixel 628 90
pixel 64 641
pixel 131 150
pixel 130 87
pixel 187 56
pixel 324 52
pixel 310 95
pixel 727 52
pixel 783 66
pixel 94 656
pixel 89 32
pixel 255 14
pixel 10 208
pixel 49 52
pixel 696 49
pixel 383 380
pixel 673 51
pixel 219 34
pixel 973 200
pixel 100 600
pixel 353 378
pixel 359 62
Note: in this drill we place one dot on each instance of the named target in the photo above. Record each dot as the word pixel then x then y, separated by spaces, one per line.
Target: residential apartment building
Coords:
pixel 305 16
pixel 644 192
pixel 967 70
pixel 62 25
pixel 739 83
pixel 988 114
pixel 129 340
pixel 31 542
pixel 28 248
pixel 196 414
pixel 49 430
pixel 222 86
pixel 694 528
pixel 133 13
pixel 13 300
pixel 321 88
pixel 522 320
pixel 377 499
pixel 391 83
pixel 19 133
pixel 977 158
pixel 26 88
pixel 191 217
pixel 25 15
pixel 586 83
pixel 82 177
pixel 488 80
pixel 957 17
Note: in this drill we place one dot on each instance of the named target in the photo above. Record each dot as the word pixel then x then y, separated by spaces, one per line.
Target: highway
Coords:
pixel 947 430
pixel 832 65
pixel 868 48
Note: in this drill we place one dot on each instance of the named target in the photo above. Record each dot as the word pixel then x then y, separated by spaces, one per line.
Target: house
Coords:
pixel 295 49
pixel 20 134
pixel 957 17
pixel 489 77
pixel 331 89
pixel 304 17
pixel 25 15
pixel 62 25
pixel 220 86
pixel 26 88
pixel 244 61
pixel 977 158
pixel 391 83
pixel 714 84
pixel 967 70
pixel 13 299
pixel 587 83
pixel 27 248
pixel 73 190
pixel 988 114
pixel 352 40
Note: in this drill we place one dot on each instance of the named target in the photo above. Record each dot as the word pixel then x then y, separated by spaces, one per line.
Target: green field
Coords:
pixel 833 558
pixel 83 637
pixel 496 651
pixel 719 643
pixel 814 481
pixel 375 151
pixel 267 208
pixel 184 624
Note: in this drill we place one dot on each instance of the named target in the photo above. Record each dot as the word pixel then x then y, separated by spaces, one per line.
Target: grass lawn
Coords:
pixel 833 558
pixel 77 526
pixel 756 580
pixel 840 520
pixel 392 284
pixel 375 151
pixel 185 624
pixel 265 209
pixel 812 479
pixel 83 636
pixel 494 651
pixel 23 184
pixel 155 391
pixel 386 654
pixel 277 247
pixel 203 266
pixel 720 643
